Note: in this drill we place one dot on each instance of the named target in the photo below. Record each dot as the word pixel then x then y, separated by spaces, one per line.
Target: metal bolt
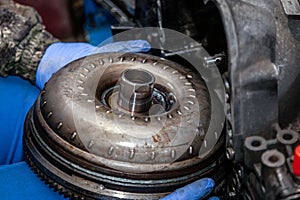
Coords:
pixel 230 153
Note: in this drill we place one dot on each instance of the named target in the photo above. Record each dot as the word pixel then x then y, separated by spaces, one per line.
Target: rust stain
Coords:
pixel 166 136
pixel 156 138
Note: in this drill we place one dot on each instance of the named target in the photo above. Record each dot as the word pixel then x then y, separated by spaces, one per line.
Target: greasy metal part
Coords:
pixel 271 175
pixel 291 7
pixel 278 183
pixel 254 148
pixel 195 19
pixel 262 47
pixel 135 90
pixel 214 59
pixel 192 18
pixel 261 41
pixel 263 44
pixel 186 49
pixel 234 182
pixel 211 74
pixel 95 150
pixel 261 58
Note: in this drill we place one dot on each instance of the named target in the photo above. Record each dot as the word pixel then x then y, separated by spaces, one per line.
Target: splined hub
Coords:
pixel 136 88
pixel 122 126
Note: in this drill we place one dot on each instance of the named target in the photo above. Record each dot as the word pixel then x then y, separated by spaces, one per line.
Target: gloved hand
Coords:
pixel 18 95
pixel 58 55
pixel 19 182
pixel 193 191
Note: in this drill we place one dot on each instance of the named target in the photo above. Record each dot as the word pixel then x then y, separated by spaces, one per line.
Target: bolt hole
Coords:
pixel 256 143
pixel 273 159
pixel 287 136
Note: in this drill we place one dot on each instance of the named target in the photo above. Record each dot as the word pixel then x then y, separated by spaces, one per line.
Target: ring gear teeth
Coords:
pixel 62 148
pixel 48 181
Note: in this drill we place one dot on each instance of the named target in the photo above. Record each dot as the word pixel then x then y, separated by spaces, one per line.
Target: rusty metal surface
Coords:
pixel 94 148
pixel 271 162
pixel 291 7
pixel 261 71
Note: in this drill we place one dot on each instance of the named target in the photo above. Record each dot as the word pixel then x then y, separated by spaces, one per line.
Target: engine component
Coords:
pixel 256 44
pixel 122 126
pixel 262 48
pixel 261 42
pixel 270 161
pixel 136 88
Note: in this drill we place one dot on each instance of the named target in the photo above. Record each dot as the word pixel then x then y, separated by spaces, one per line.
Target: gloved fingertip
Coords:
pixel 214 198
pixel 205 183
pixel 193 191
pixel 139 45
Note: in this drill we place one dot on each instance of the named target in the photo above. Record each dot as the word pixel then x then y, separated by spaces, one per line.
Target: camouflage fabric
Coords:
pixel 23 40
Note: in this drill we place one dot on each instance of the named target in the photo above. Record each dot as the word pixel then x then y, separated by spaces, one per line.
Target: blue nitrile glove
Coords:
pixel 193 191
pixel 17 97
pixel 17 181
pixel 58 55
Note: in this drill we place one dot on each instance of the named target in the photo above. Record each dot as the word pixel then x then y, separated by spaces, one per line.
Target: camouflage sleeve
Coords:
pixel 23 40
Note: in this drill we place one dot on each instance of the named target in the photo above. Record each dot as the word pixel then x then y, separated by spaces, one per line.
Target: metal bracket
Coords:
pixel 291 7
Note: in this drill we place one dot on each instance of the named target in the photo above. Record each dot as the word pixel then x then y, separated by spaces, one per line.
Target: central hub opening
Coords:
pixel 138 76
pixel 135 90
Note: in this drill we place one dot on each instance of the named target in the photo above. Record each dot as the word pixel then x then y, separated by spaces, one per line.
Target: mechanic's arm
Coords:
pixel 29 51
pixel 23 40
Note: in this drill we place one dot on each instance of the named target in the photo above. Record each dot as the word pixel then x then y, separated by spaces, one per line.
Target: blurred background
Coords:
pixel 79 20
